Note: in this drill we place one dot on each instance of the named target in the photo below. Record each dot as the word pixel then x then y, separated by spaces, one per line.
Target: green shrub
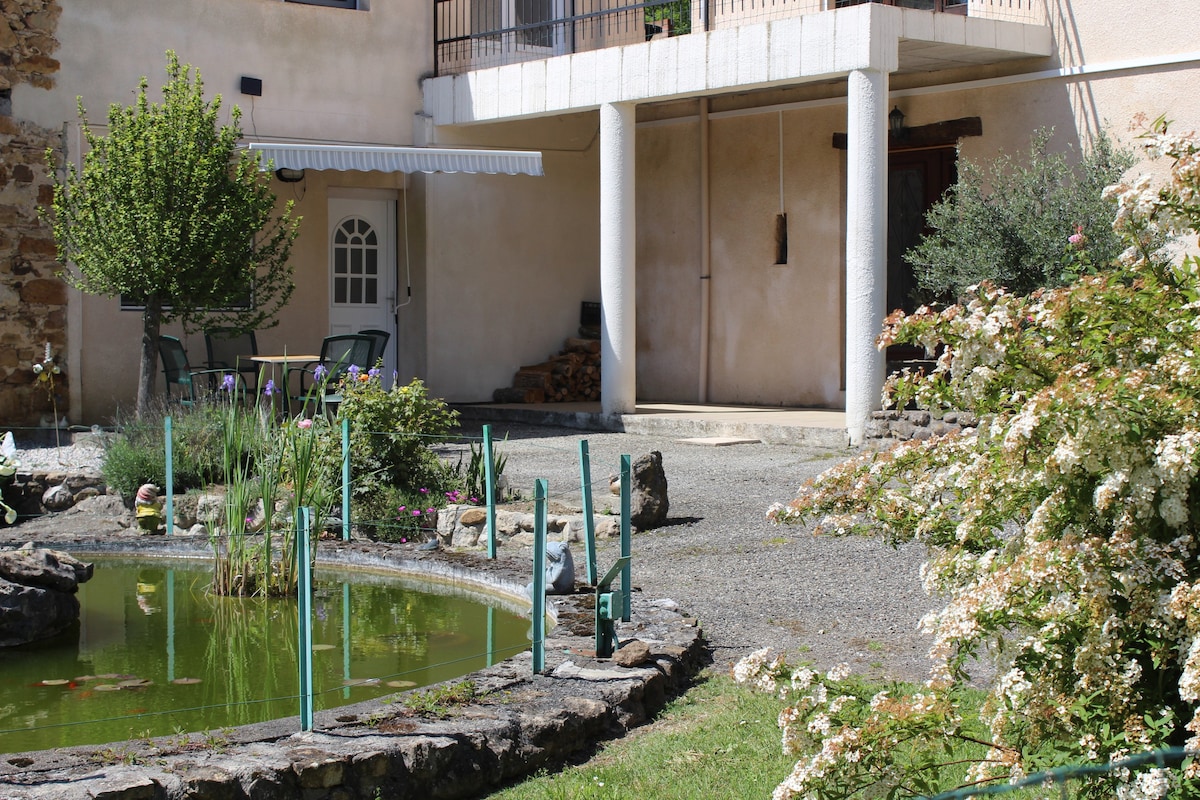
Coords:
pixel 138 455
pixel 391 430
pixel 1007 222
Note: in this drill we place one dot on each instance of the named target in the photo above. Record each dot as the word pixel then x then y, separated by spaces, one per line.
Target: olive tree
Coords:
pixel 169 214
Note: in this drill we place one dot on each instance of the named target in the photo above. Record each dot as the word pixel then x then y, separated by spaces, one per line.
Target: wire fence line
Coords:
pixel 1060 777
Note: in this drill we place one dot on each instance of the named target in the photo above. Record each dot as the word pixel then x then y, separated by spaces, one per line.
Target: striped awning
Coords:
pixel 363 158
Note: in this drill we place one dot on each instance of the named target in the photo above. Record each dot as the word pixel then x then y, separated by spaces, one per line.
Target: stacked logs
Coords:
pixel 571 376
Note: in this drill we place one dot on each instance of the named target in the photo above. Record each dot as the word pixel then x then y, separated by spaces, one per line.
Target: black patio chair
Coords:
pixel 338 354
pixel 230 349
pixel 381 340
pixel 192 384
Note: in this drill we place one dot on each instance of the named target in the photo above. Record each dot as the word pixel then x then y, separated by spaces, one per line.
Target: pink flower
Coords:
pixel 1077 237
pixel 304 423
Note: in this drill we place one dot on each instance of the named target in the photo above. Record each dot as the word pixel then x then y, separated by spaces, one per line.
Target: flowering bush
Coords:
pixel 391 430
pixel 1063 530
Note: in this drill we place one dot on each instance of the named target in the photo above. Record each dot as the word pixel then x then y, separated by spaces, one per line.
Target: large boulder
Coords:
pixel 648 503
pixel 38 593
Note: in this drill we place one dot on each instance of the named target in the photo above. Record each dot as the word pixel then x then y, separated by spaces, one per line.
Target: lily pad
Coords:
pixel 135 683
pixel 107 687
pixel 185 681
pixel 401 684
pixel 361 682
pixel 323 646
pixel 55 682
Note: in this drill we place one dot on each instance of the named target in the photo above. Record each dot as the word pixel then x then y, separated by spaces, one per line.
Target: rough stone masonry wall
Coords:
pixel 33 302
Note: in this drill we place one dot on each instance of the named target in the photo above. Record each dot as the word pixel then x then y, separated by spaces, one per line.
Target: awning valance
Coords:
pixel 364 158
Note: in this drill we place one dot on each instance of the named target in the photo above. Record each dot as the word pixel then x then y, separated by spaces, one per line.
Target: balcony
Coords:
pixel 477 34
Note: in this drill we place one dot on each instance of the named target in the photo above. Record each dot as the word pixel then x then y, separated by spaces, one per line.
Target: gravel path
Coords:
pixel 751 584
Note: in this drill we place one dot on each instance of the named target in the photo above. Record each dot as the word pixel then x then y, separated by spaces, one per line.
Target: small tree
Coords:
pixel 169 214
pixel 1003 222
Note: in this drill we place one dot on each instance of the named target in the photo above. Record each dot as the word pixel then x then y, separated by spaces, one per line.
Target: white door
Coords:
pixel 362 267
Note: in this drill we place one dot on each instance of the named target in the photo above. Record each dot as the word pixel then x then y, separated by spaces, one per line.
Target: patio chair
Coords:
pixel 338 354
pixel 381 340
pixel 192 384
pixel 229 349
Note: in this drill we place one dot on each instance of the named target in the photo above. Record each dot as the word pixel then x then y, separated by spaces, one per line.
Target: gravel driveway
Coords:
pixel 750 583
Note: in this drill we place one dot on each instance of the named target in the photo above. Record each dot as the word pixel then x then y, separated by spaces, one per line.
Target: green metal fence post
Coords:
pixel 346 479
pixel 304 612
pixel 626 536
pixel 489 480
pixel 589 519
pixel 539 575
pixel 169 489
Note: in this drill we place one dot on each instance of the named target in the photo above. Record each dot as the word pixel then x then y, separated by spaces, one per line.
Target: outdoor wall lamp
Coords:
pixel 289 175
pixel 896 121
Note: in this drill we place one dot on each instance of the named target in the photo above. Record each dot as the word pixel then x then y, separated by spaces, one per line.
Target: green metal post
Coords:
pixel 346 639
pixel 346 479
pixel 539 575
pixel 170 625
pixel 304 611
pixel 489 480
pixel 170 487
pixel 589 518
pixel 626 536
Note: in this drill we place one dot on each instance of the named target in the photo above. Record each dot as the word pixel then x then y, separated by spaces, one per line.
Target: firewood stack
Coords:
pixel 571 376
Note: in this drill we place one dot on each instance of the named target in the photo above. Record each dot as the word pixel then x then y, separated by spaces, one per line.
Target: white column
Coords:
pixel 866 245
pixel 618 229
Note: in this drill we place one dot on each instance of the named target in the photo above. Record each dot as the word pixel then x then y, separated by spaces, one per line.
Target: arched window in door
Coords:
pixel 355 263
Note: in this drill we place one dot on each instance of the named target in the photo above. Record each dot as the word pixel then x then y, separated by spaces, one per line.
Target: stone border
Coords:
pixel 519 723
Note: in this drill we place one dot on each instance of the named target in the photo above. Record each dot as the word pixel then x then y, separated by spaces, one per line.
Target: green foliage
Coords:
pixel 1064 531
pixel 390 432
pixel 1008 222
pixel 677 12
pixel 168 212
pixel 440 700
pixel 138 456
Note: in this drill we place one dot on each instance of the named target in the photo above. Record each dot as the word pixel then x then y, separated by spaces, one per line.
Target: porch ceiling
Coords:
pixel 792 51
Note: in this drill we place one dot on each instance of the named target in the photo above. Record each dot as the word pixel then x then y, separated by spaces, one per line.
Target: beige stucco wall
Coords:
pixel 510 258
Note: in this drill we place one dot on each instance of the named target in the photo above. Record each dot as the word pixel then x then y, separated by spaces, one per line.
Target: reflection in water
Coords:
pixel 156 654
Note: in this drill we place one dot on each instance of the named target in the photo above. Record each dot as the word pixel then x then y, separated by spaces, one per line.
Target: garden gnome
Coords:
pixel 149 516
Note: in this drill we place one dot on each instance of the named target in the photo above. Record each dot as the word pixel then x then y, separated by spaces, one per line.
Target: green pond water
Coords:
pixel 156 654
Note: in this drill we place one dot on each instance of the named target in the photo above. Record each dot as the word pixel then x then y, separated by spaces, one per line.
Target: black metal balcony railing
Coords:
pixel 475 34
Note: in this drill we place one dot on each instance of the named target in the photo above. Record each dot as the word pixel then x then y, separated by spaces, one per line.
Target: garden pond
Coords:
pixel 156 653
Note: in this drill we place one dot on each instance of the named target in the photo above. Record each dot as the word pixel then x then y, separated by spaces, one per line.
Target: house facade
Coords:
pixel 723 183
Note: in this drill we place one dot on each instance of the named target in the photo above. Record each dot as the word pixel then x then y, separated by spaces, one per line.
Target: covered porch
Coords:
pixel 847 56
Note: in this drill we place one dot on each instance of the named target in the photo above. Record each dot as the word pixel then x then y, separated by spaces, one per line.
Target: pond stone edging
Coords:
pixel 519 722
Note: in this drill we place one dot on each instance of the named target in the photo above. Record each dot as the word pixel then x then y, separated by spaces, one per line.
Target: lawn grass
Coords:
pixel 720 740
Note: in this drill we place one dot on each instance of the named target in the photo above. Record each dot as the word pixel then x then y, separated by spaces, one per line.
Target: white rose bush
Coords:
pixel 1062 531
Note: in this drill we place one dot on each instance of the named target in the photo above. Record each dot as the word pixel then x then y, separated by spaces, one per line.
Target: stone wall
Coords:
pixel 33 301
pixel 894 425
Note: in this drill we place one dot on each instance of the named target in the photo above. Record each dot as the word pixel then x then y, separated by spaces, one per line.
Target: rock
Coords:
pixel 473 516
pixel 632 654
pixel 38 594
pixel 648 484
pixel 58 498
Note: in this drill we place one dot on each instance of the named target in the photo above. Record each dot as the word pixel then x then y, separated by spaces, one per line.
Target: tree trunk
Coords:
pixel 148 368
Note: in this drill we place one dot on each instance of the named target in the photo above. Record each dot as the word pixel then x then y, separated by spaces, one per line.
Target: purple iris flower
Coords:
pixel 227 382
pixel 353 370
pixel 374 373
pixel 320 372
pixel 269 390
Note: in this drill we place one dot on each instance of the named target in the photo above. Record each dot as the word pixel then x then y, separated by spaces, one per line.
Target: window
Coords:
pixel 354 4
pixel 355 263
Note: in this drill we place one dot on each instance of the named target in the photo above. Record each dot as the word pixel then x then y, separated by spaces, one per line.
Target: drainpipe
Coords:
pixel 705 254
